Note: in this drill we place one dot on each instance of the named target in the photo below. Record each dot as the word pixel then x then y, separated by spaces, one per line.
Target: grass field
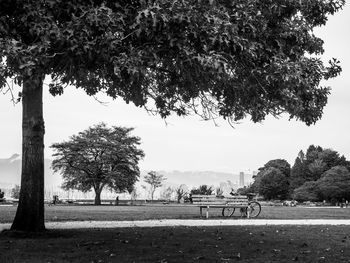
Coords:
pixel 182 244
pixel 178 244
pixel 146 212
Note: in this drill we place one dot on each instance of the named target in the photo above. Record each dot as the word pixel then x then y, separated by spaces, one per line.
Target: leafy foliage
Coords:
pixel 279 164
pixel 202 190
pixel 335 184
pixel 307 192
pixel 277 169
pixel 15 191
pixel 273 184
pixel 299 172
pixel 231 59
pixel 316 161
pixel 99 157
pixel 155 180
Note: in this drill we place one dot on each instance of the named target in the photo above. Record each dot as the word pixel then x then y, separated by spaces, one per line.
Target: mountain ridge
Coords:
pixel 10 174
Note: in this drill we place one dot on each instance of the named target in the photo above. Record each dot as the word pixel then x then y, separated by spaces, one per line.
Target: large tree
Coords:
pixel 99 157
pixel 299 172
pixel 215 57
pixel 334 184
pixel 273 184
pixel 311 166
pixel 282 167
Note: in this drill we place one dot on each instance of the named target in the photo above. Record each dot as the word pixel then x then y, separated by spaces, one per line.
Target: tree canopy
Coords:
pixel 202 190
pixel 279 164
pixel 311 166
pixel 335 184
pixel 273 184
pixel 214 57
pixel 307 192
pixel 277 169
pixel 99 157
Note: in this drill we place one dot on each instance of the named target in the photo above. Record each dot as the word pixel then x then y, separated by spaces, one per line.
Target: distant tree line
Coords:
pixel 317 175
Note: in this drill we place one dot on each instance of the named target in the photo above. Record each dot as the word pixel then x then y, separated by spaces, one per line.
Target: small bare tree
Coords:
pixel 134 194
pixel 155 180
pixel 181 191
pixel 167 193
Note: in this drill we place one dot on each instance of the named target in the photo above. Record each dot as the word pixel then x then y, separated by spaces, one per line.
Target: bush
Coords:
pixel 307 192
pixel 15 191
pixel 202 190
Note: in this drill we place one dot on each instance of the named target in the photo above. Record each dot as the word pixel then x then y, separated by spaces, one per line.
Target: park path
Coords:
pixel 181 222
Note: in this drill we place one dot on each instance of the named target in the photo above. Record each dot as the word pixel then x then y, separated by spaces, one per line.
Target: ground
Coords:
pixel 178 244
pixel 182 244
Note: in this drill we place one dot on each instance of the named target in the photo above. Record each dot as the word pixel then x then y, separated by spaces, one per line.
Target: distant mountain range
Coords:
pixel 10 174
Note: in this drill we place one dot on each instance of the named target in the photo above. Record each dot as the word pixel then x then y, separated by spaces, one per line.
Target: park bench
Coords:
pixel 228 204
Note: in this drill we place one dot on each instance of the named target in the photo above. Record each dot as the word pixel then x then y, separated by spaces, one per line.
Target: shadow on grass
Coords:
pixel 180 244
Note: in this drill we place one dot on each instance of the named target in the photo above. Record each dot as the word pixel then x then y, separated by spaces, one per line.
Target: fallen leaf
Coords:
pixel 305 252
pixel 237 256
pixel 304 245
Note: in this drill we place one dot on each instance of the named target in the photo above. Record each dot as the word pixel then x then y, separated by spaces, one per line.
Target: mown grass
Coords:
pixel 178 244
pixel 182 244
pixel 146 212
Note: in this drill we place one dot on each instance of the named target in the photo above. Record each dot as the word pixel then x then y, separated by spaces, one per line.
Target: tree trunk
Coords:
pixel 152 193
pixel 30 212
pixel 98 197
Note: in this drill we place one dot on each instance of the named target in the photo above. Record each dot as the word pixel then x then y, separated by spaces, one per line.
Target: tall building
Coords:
pixel 241 179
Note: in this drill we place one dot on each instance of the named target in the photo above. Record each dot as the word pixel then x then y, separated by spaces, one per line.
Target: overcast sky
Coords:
pixel 191 144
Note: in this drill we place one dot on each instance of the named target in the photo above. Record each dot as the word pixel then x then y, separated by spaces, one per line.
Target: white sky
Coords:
pixel 191 144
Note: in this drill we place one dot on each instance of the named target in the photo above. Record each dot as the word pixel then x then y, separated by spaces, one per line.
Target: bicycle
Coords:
pixel 253 207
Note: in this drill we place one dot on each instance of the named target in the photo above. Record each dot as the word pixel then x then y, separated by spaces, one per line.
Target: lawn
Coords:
pixel 146 212
pixel 182 244
pixel 178 244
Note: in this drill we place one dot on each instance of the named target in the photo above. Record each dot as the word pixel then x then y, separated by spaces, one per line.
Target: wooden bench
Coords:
pixel 208 201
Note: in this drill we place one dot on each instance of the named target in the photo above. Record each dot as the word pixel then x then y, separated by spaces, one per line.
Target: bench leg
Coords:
pixel 200 209
pixel 207 214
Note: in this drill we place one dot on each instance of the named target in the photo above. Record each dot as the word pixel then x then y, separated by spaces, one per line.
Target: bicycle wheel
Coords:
pixel 228 211
pixel 254 208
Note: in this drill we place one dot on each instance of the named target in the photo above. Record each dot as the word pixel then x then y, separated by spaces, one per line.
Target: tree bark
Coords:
pixel 30 212
pixel 98 197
